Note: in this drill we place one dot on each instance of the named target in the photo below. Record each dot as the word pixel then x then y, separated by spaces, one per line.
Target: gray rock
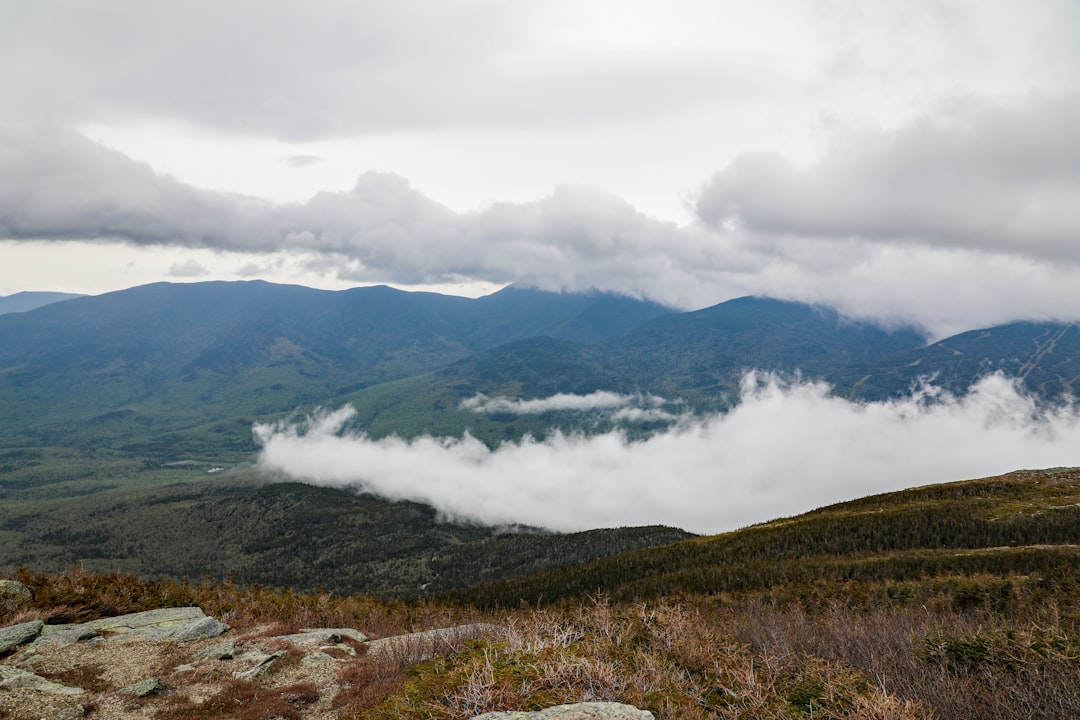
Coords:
pixel 14 595
pixel 577 711
pixel 54 636
pixel 13 677
pixel 415 647
pixel 323 636
pixel 316 658
pixel 179 624
pixel 165 617
pixel 72 713
pixel 13 636
pixel 222 651
pixel 199 630
pixel 263 663
pixel 151 686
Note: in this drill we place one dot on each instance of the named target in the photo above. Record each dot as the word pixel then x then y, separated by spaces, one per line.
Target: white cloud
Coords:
pixel 784 449
pixel 627 407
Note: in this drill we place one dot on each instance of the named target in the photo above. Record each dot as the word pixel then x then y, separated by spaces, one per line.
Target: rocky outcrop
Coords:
pixel 164 617
pixel 119 656
pixel 178 624
pixel 13 677
pixel 578 711
pixel 14 595
pixel 15 635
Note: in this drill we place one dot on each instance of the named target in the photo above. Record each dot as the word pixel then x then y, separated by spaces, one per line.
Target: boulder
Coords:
pixel 179 624
pixel 151 686
pixel 165 617
pixel 576 711
pixel 15 635
pixel 202 629
pixel 14 595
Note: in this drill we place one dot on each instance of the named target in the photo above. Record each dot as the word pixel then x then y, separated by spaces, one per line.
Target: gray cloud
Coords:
pixel 977 175
pixel 784 449
pixel 188 268
pixel 302 72
pixel 58 185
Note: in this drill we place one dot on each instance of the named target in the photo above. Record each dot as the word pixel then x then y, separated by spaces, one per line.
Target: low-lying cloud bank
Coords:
pixel 786 448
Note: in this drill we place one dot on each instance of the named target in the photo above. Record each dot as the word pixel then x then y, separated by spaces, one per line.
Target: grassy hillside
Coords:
pixel 60 509
pixel 1022 522
pixel 906 606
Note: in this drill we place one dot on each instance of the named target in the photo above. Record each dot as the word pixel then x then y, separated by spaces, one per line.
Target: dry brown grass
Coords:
pixel 669 658
pixel 366 683
pixel 999 655
pixel 979 666
pixel 241 700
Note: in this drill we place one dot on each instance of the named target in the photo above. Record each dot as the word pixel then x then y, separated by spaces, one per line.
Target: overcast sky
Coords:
pixel 907 161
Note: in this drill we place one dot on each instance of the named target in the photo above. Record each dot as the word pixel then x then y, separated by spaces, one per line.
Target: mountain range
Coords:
pixel 126 462
pixel 23 301
pixel 175 371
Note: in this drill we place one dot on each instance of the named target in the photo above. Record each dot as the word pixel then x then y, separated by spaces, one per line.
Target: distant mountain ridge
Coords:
pixel 29 300
pixel 169 370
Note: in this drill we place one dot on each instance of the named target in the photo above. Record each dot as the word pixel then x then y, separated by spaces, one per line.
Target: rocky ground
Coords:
pixel 178 663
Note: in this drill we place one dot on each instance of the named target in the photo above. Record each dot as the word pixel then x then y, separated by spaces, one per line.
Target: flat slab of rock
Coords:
pixel 13 677
pixel 164 617
pixel 14 635
pixel 323 636
pixel 577 711
pixel 62 635
pixel 179 624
